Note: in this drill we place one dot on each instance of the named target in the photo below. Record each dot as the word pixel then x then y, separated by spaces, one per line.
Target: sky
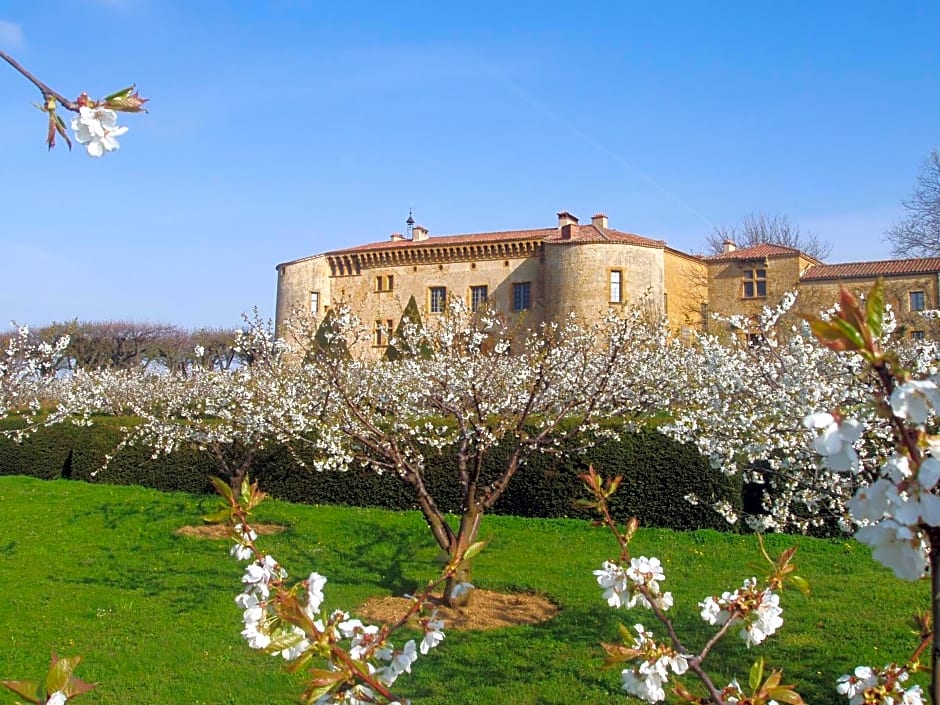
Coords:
pixel 280 129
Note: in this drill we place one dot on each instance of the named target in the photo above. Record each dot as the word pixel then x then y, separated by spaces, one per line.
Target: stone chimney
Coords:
pixel 419 232
pixel 566 224
pixel 397 237
pixel 599 220
pixel 728 246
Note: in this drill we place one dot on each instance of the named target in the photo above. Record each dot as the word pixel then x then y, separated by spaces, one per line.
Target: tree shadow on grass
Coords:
pixel 377 554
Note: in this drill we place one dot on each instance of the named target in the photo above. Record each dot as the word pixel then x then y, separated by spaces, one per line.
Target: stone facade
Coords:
pixel 547 273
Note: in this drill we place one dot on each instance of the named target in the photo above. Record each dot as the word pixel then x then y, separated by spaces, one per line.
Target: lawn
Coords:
pixel 100 571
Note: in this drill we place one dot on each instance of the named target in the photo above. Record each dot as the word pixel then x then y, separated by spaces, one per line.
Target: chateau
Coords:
pixel 586 269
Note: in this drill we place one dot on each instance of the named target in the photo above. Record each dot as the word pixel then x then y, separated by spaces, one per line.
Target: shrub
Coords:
pixel 658 473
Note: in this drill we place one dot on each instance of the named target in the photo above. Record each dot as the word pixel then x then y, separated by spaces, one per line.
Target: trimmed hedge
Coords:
pixel 657 475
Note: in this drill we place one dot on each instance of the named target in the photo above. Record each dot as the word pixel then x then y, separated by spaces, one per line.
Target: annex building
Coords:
pixel 586 269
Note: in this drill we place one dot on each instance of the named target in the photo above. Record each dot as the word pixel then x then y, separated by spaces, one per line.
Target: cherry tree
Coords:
pixel 474 382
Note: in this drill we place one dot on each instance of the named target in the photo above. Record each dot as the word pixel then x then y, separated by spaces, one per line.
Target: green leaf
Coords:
pixel 851 333
pixel 60 671
pixel 219 517
pixel 875 308
pixel 222 487
pixel 123 93
pixel 800 583
pixel 474 550
pixel 756 675
pixel 25 689
pixel 785 695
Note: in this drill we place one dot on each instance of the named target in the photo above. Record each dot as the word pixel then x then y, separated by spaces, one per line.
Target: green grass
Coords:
pixel 99 571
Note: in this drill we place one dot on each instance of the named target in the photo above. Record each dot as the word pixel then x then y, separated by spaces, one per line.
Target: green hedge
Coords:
pixel 657 475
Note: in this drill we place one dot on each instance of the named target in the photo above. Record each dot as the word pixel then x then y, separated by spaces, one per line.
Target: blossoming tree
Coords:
pixel 480 382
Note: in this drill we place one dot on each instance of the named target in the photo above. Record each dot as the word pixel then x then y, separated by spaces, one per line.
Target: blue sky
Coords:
pixel 279 129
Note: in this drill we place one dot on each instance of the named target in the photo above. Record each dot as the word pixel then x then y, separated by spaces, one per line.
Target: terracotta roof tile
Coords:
pixel 891 267
pixel 580 234
pixel 755 252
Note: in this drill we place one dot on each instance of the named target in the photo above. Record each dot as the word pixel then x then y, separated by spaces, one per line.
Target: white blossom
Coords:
pixel 97 129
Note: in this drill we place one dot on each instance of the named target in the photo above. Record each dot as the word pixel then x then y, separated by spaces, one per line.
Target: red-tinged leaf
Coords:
pixel 773 680
pixel 828 335
pixel 682 692
pixel 847 301
pixel 614 485
pixel 76 686
pixel 50 134
pixel 321 677
pixel 25 689
pixel 757 674
pixel 786 695
pixel 60 127
pixel 126 100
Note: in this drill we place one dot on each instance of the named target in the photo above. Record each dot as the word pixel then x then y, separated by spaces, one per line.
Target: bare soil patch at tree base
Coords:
pixel 487 610
pixel 222 531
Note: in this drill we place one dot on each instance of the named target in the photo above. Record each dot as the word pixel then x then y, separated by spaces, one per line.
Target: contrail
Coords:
pixel 541 107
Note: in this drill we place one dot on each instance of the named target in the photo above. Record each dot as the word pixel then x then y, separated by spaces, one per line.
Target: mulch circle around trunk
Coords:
pixel 221 531
pixel 487 610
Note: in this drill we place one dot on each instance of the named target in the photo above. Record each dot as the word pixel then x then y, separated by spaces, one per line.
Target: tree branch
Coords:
pixel 46 91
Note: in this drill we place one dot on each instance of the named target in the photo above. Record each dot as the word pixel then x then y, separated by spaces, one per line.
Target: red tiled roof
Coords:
pixel 579 234
pixel 755 252
pixel 852 270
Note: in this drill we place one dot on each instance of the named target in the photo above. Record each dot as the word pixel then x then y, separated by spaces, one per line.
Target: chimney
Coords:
pixel 397 237
pixel 599 220
pixel 566 223
pixel 419 232
pixel 728 246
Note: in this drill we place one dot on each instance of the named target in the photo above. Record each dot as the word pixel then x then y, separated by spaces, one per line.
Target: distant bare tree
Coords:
pixel 760 228
pixel 918 235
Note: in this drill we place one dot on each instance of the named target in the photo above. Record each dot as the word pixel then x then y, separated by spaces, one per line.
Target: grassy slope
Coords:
pixel 99 571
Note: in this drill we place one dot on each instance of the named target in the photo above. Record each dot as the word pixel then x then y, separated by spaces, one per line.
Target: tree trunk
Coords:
pixel 456 594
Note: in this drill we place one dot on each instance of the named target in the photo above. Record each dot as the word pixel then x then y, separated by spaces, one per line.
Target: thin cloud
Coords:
pixel 11 35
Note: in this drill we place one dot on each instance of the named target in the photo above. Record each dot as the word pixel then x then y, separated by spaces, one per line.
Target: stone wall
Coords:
pixel 577 277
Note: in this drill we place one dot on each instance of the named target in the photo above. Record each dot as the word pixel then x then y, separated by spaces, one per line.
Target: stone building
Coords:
pixel 911 285
pixel 543 274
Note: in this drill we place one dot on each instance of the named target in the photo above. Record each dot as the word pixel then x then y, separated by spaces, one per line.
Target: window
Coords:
pixel 704 310
pixel 385 282
pixel 478 297
pixel 314 302
pixel 917 301
pixel 918 335
pixel 616 286
pixel 521 296
pixel 437 300
pixel 755 283
pixel 382 332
